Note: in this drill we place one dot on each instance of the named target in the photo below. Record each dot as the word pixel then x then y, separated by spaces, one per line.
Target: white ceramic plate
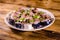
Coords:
pixel 47 12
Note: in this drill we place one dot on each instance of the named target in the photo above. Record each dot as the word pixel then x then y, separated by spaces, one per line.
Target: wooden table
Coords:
pixel 6 33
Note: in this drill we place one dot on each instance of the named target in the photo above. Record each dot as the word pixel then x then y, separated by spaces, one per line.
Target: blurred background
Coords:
pixel 51 4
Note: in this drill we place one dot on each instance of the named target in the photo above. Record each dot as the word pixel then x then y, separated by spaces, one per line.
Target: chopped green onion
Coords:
pixel 36 16
pixel 22 19
pixel 17 20
pixel 31 20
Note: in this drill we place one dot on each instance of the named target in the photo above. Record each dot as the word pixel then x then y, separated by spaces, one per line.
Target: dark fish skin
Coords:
pixel 36 25
pixel 11 21
pixel 19 26
pixel 45 23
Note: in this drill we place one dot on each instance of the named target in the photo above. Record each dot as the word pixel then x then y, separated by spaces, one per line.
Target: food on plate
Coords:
pixel 29 18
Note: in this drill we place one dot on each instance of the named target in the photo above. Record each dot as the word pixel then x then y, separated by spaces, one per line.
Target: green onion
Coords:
pixel 22 19
pixel 31 20
pixel 36 16
pixel 17 20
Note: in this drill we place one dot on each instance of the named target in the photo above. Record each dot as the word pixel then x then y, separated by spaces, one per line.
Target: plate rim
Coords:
pixel 26 29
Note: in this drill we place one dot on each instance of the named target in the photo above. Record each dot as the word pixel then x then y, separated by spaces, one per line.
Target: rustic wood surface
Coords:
pixel 6 33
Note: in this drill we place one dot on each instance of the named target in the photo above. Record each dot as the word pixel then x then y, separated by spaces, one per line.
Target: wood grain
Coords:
pixel 53 4
pixel 6 33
